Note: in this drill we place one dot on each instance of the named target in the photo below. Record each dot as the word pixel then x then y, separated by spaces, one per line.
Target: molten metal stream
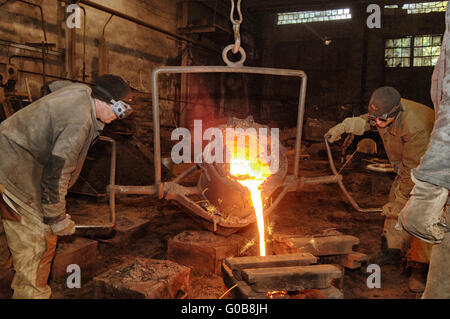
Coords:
pixel 252 175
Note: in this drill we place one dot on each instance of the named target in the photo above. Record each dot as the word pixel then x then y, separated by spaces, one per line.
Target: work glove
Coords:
pixel 63 227
pixel 351 125
pixel 423 215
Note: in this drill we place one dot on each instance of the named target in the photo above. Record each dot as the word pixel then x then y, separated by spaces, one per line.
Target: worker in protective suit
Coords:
pixel 43 148
pixel 404 127
pixel 425 215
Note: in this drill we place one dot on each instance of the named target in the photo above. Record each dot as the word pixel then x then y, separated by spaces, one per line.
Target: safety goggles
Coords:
pixel 384 117
pixel 121 109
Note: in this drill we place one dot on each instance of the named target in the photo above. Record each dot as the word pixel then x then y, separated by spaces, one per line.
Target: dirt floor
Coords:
pixel 309 211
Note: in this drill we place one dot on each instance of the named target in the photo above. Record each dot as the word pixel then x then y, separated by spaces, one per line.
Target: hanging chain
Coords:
pixel 236 25
pixel 236 46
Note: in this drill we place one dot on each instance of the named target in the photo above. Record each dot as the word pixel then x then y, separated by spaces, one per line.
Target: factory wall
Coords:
pixel 343 74
pixel 129 50
pixel 133 50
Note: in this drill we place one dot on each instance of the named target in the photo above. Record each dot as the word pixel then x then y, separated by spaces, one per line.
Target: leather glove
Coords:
pixel 351 125
pixel 334 133
pixel 423 215
pixel 63 227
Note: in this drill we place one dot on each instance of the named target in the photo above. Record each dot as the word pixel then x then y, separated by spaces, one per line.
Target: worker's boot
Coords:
pixel 418 277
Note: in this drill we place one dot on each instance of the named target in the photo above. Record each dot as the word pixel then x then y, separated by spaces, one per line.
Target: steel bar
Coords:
pixel 49 75
pixel 44 32
pixel 27 47
pixel 135 190
pixel 42 16
pixel 342 186
pixel 321 179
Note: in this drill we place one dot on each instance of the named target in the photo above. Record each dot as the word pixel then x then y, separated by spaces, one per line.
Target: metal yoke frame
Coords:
pixel 172 190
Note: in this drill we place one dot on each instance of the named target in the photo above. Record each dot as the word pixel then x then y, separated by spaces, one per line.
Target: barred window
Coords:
pixel 422 7
pixel 414 51
pixel 313 16
pixel 426 50
pixel 397 52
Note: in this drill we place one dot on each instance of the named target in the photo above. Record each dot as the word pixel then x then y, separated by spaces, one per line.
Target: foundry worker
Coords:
pixel 425 215
pixel 404 127
pixel 43 148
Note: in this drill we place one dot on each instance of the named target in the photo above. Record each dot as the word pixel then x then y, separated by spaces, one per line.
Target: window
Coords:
pixel 397 52
pixel 423 7
pixel 426 50
pixel 313 16
pixel 415 51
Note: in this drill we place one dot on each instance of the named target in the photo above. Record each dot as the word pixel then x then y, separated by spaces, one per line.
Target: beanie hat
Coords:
pixel 384 99
pixel 110 87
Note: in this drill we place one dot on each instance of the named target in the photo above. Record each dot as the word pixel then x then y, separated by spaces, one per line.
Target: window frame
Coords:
pixel 413 47
pixel 311 16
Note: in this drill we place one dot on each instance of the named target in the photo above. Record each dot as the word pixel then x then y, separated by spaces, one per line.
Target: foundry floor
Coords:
pixel 307 212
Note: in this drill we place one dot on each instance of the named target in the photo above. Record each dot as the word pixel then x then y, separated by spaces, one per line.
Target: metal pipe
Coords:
pixel 84 44
pixel 300 115
pixel 24 57
pixel 50 76
pixel 43 30
pixel 42 16
pixel 321 179
pixel 11 44
pixel 143 23
pixel 135 190
pixel 342 186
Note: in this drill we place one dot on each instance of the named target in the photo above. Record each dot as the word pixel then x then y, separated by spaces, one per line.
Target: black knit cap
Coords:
pixel 384 99
pixel 110 87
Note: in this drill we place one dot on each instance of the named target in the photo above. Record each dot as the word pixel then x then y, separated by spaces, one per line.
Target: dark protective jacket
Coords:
pixel 435 165
pixel 44 145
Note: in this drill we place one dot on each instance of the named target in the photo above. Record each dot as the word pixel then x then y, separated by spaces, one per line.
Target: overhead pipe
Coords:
pixel 42 15
pixel 84 44
pixel 49 75
pixel 43 30
pixel 143 23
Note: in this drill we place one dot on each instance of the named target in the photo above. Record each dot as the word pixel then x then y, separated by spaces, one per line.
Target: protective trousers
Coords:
pixel 438 280
pixel 414 249
pixel 32 245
